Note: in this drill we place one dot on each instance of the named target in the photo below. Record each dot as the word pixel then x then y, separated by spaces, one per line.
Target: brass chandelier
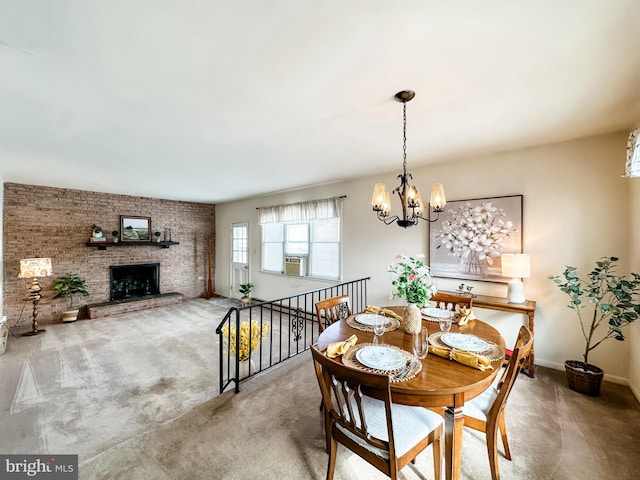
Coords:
pixel 410 199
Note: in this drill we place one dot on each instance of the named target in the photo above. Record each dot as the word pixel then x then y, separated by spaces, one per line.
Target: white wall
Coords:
pixel 2 249
pixel 634 334
pixel 576 209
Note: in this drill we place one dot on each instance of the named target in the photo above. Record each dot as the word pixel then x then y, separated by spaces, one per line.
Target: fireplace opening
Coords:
pixel 134 281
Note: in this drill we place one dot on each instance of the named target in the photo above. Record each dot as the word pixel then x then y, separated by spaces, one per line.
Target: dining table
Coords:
pixel 442 385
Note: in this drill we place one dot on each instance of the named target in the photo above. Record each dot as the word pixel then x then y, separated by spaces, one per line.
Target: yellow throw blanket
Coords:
pixel 469 359
pixel 339 348
pixel 382 311
pixel 466 314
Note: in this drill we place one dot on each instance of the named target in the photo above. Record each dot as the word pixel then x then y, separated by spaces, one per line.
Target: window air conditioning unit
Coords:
pixel 294 266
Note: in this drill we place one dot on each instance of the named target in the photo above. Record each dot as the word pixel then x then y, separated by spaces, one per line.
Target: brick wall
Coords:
pixel 56 223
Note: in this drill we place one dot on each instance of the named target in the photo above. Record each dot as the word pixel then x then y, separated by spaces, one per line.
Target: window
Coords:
pixel 240 244
pixel 317 242
pixel 309 231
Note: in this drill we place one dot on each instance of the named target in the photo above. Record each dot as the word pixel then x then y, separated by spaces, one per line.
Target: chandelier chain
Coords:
pixel 404 134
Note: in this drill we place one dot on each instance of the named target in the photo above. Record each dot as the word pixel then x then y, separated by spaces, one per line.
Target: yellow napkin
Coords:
pixel 466 314
pixel 382 311
pixel 338 348
pixel 469 359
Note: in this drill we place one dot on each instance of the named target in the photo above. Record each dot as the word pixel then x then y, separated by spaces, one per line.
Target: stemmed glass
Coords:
pixel 420 343
pixel 445 320
pixel 378 328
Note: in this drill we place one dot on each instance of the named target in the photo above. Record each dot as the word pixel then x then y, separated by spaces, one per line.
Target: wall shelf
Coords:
pixel 103 246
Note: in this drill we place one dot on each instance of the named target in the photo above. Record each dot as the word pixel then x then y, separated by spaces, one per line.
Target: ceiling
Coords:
pixel 212 100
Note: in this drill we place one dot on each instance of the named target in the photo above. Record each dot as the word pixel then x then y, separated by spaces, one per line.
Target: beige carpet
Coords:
pixel 134 396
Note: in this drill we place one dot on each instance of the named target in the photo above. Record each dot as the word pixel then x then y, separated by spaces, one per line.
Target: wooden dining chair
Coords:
pixel 486 412
pixel 331 310
pixel 386 435
pixel 458 301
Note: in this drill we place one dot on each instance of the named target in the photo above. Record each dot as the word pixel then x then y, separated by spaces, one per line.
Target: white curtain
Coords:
pixel 301 211
pixel 632 167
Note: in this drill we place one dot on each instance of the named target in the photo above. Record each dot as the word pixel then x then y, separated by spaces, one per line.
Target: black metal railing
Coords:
pixel 275 330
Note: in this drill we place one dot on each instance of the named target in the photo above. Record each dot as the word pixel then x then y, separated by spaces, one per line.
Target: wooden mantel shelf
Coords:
pixel 103 246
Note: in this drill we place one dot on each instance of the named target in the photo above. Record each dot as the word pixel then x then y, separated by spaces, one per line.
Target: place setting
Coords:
pixel 367 320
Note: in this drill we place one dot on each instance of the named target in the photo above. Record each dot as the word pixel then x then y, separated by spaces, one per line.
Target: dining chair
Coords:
pixel 458 301
pixel 485 413
pixel 386 435
pixel 331 310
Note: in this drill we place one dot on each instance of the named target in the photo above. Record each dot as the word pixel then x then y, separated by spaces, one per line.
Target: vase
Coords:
pixel 474 266
pixel 412 318
pixel 246 368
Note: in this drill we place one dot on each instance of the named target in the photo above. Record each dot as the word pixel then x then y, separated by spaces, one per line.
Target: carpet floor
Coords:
pixel 136 397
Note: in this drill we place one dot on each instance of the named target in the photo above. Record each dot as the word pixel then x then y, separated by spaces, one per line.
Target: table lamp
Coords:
pixel 34 268
pixel 516 266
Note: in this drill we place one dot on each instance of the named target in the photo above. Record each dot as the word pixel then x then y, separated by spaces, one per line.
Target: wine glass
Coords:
pixel 445 320
pixel 420 343
pixel 379 323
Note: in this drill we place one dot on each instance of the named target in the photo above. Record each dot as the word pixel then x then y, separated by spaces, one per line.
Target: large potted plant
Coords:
pixel 614 299
pixel 70 285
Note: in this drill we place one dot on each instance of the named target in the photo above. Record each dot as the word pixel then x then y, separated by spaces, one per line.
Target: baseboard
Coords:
pixel 607 377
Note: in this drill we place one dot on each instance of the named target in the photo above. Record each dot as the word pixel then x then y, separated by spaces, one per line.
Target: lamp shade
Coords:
pixel 35 267
pixel 516 265
pixel 438 200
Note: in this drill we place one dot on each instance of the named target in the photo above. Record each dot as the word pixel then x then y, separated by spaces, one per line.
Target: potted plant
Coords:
pixel 245 290
pixel 116 236
pixel 157 234
pixel 69 285
pixel 614 299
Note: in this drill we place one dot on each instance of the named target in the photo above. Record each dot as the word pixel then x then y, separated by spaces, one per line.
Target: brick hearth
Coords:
pixel 104 309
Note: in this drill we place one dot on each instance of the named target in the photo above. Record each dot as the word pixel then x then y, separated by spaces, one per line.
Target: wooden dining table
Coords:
pixel 441 385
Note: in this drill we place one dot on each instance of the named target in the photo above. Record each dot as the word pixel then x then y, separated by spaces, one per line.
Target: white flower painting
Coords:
pixel 467 240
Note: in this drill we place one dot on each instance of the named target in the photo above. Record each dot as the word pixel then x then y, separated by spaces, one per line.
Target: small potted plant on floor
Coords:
pixel 245 290
pixel 69 285
pixel 614 299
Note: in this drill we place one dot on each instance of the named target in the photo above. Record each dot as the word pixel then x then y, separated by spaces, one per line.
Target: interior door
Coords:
pixel 239 257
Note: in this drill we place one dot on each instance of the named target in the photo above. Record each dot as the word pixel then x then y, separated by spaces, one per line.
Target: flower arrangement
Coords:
pixel 250 338
pixel 411 278
pixel 475 234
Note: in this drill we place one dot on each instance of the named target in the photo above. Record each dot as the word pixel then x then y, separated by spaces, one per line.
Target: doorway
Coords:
pixel 239 257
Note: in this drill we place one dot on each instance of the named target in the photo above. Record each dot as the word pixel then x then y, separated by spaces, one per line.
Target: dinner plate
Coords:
pixel 369 318
pixel 463 341
pixel 381 358
pixel 435 312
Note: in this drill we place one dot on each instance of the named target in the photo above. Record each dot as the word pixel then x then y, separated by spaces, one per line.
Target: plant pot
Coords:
pixel 70 316
pixel 584 377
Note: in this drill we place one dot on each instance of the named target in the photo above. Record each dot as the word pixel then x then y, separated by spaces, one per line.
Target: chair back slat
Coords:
pixel 458 301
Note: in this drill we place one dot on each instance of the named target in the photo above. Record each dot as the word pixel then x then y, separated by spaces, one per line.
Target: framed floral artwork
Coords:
pixel 467 240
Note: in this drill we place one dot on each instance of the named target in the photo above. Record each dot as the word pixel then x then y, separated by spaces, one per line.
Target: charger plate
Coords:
pixel 409 370
pixel 494 352
pixel 392 324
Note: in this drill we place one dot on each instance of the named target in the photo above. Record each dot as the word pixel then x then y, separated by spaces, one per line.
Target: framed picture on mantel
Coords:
pixel 467 240
pixel 135 229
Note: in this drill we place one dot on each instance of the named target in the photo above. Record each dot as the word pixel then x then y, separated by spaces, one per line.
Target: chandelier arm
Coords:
pixel 428 219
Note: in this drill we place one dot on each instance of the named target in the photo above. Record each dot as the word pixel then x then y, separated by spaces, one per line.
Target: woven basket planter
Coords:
pixel 584 377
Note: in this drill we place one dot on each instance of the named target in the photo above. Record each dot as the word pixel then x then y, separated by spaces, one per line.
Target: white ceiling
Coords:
pixel 214 100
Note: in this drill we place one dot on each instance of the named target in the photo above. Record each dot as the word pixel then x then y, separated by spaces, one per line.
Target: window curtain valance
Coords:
pixel 632 167
pixel 301 211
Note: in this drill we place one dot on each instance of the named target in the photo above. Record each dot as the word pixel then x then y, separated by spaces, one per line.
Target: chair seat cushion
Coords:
pixel 410 425
pixel 479 407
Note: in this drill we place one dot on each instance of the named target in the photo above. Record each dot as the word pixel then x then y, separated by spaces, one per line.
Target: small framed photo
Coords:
pixel 467 240
pixel 135 229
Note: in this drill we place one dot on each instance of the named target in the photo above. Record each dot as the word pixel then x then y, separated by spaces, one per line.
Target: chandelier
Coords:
pixel 410 199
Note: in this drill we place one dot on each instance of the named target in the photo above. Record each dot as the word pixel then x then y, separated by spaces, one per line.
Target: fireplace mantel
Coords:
pixel 103 246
